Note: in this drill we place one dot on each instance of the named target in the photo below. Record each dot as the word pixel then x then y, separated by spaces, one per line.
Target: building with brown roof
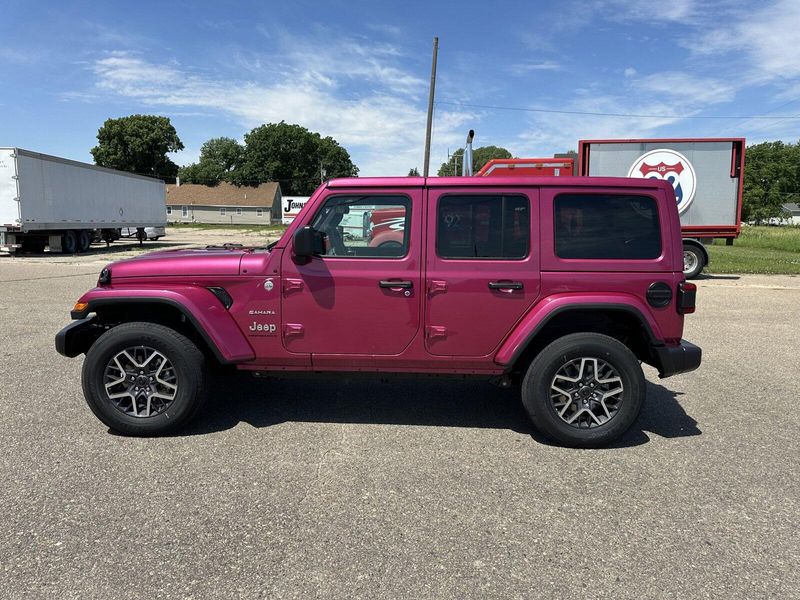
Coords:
pixel 223 203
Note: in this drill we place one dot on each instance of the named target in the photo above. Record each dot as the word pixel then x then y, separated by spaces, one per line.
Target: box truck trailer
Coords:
pixel 706 174
pixel 65 204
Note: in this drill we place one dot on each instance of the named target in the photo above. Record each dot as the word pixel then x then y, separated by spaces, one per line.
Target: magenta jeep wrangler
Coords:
pixel 563 285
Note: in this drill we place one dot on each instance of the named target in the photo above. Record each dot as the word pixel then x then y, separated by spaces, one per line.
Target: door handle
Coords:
pixel 505 285
pixel 396 284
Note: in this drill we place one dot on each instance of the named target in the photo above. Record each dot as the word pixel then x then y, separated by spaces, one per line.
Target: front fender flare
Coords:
pixel 200 307
pixel 549 307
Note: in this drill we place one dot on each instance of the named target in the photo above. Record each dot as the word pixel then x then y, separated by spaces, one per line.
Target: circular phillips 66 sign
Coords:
pixel 671 166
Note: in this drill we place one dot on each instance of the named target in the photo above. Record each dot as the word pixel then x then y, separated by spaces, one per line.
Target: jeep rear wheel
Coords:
pixel 143 379
pixel 584 390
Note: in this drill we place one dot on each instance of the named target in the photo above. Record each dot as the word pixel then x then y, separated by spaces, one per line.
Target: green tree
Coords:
pixel 480 156
pixel 138 144
pixel 219 157
pixel 293 156
pixel 771 179
pixel 413 172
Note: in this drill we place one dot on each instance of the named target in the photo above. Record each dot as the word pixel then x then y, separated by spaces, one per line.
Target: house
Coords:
pixel 792 212
pixel 223 203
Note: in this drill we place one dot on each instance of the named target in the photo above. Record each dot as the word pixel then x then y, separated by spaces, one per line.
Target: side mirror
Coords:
pixel 308 242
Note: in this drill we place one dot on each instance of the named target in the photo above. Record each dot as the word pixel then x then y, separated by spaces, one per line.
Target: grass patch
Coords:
pixel 766 250
pixel 237 226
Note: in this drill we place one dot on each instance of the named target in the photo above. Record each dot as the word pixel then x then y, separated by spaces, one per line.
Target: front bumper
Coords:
pixel 77 337
pixel 681 358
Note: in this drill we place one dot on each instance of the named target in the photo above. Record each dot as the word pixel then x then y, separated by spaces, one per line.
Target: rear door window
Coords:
pixel 483 227
pixel 606 226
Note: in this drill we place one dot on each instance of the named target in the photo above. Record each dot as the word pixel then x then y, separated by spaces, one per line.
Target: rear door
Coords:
pixel 363 295
pixel 482 267
pixel 9 205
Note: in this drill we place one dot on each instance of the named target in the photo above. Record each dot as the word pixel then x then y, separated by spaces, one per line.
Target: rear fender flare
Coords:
pixel 533 322
pixel 201 308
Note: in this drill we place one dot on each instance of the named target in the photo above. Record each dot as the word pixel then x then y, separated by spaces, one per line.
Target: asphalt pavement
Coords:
pixel 410 489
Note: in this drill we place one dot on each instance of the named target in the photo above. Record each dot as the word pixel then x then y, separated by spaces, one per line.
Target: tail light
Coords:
pixel 687 293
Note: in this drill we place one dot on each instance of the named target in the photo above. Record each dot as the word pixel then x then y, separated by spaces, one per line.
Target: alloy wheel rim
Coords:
pixel 586 392
pixel 140 382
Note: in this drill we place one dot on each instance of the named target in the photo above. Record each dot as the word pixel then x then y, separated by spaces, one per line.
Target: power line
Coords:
pixel 604 114
pixel 738 125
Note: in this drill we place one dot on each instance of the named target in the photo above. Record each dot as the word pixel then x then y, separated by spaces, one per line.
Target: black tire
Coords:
pixel 536 389
pixel 84 240
pixel 69 242
pixel 694 261
pixel 184 357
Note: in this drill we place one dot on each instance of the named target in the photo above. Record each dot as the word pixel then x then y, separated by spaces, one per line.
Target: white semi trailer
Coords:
pixel 65 204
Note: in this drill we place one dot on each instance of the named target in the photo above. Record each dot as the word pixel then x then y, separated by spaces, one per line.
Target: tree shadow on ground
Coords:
pixel 236 398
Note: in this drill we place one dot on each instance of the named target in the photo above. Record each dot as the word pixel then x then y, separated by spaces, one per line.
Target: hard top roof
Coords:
pixel 510 181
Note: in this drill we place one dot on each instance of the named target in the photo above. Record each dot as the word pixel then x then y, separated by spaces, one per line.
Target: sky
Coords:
pixel 359 72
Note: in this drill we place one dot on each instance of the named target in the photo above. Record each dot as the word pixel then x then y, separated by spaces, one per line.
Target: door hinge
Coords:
pixel 435 331
pixel 291 285
pixel 436 287
pixel 293 329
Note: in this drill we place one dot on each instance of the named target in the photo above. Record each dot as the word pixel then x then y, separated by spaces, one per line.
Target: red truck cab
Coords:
pixel 561 286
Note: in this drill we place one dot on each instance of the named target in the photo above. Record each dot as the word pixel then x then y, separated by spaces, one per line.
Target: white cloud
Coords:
pixel 372 107
pixel 630 72
pixel 686 89
pixel 765 35
pixel 526 68
pixel 645 10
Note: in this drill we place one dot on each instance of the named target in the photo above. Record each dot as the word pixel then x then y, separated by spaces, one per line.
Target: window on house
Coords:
pixel 259 212
pixel 184 211
pixel 221 212
pixel 169 210
pixel 238 212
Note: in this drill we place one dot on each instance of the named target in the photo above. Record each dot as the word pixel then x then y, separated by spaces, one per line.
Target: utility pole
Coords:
pixel 427 161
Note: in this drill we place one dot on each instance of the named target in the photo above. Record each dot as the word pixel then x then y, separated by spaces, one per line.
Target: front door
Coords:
pixel 362 296
pixel 482 270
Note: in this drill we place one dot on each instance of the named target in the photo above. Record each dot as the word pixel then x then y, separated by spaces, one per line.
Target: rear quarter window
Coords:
pixel 606 226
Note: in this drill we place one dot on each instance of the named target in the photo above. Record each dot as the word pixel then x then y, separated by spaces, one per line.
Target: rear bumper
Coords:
pixel 672 360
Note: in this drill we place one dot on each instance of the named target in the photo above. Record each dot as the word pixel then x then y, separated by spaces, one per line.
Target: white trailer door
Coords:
pixel 9 206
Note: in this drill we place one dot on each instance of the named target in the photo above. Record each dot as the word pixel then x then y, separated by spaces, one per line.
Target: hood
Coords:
pixel 194 262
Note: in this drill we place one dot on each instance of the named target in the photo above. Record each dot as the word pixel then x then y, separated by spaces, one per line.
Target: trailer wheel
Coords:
pixel 69 242
pixel 693 261
pixel 84 240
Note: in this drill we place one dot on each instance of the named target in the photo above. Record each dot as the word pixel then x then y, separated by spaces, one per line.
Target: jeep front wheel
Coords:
pixel 143 379
pixel 584 390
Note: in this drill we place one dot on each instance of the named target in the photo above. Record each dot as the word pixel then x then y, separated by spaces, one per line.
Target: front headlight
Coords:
pixel 105 277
